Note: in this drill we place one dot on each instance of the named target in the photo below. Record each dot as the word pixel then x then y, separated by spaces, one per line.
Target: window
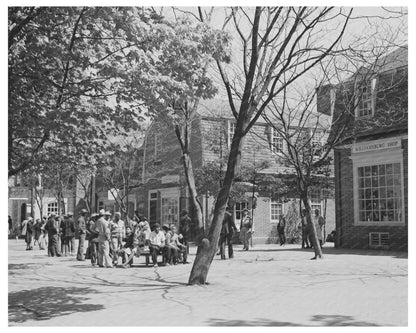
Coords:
pixel 276 210
pixel 314 207
pixel 364 96
pixel 380 193
pixel 170 210
pixel 239 207
pixel 277 142
pixel 52 208
pixel 316 139
pixel 231 130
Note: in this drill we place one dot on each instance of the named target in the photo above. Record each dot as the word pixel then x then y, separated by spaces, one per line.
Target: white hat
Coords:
pixel 107 213
pixel 101 212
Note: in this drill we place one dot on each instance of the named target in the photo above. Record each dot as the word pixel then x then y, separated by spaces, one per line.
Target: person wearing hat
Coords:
pixel 52 229
pixel 69 234
pixel 245 229
pixel 101 226
pixel 92 237
pixel 82 231
pixel 157 242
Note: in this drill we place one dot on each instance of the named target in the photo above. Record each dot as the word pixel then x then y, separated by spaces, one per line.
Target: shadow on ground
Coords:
pixel 332 250
pixel 321 320
pixel 47 302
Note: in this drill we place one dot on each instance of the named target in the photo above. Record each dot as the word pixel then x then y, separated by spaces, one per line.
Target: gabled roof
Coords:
pixel 215 108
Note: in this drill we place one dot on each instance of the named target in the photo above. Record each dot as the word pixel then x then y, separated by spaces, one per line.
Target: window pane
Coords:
pixel 374 181
pixel 396 167
pixel 382 181
pixel 367 182
pixel 389 180
pixel 374 170
pixel 397 179
pixel 375 194
pixel 360 172
pixel 382 170
pixel 361 194
pixel 367 171
pixel 389 168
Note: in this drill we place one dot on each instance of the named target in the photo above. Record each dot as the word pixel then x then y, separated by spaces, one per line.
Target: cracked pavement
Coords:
pixel 266 286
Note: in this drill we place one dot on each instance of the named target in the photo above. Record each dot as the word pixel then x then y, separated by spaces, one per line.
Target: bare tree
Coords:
pixel 275 42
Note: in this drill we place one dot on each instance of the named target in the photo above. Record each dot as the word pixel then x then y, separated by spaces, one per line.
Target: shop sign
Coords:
pixel 363 147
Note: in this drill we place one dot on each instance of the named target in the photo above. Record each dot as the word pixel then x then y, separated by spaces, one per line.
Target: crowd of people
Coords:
pixel 109 238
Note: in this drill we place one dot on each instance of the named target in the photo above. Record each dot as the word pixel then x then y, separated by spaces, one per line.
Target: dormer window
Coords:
pixel 365 96
pixel 364 105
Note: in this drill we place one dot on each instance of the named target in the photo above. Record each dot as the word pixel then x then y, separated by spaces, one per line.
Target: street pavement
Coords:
pixel 266 286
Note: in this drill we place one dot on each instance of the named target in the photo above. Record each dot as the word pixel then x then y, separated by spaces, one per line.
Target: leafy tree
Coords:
pixel 70 78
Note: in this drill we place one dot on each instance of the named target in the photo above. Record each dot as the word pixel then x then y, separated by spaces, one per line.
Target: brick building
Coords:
pixel 164 193
pixel 25 201
pixel 371 161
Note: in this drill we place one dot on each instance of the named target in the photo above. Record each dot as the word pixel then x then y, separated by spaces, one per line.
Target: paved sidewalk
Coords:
pixel 266 286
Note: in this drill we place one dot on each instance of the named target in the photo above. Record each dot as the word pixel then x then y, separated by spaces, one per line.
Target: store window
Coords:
pixel 276 210
pixel 380 193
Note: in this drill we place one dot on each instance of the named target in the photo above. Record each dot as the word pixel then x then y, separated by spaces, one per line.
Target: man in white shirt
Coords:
pixel 101 226
pixel 157 242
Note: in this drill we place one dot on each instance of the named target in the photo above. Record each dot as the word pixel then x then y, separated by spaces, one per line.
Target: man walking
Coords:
pixel 227 232
pixel 82 229
pixel 245 229
pixel 281 230
pixel 319 222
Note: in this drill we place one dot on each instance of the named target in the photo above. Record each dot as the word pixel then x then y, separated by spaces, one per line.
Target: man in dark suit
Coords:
pixel 227 231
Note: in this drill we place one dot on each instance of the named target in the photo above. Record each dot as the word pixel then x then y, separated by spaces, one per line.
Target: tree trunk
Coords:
pixel 196 205
pixel 311 225
pixel 209 245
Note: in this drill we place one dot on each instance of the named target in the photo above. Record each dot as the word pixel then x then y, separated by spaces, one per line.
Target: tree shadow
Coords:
pixel 48 302
pixel 339 320
pixel 255 322
pixel 321 320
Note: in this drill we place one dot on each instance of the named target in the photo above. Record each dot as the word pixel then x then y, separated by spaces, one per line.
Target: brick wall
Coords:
pixel 348 234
